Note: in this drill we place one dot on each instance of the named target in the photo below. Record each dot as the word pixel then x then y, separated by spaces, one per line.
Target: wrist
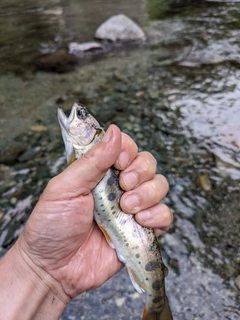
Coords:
pixel 27 291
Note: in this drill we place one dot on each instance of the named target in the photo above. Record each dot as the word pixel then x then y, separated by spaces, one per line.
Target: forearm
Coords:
pixel 24 294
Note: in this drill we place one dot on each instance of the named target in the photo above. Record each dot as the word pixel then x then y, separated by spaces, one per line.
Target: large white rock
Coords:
pixel 120 28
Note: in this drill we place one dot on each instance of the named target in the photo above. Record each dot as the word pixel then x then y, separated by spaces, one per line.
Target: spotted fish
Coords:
pixel 136 246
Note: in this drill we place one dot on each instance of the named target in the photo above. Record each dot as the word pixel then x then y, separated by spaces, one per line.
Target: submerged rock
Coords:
pixel 9 155
pixel 59 61
pixel 80 48
pixel 204 182
pixel 38 128
pixel 120 28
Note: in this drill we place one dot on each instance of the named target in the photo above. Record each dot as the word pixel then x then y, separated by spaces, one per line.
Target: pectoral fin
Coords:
pixel 107 237
pixel 71 156
pixel 137 283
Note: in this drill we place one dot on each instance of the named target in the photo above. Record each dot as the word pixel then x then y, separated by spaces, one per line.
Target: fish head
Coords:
pixel 80 131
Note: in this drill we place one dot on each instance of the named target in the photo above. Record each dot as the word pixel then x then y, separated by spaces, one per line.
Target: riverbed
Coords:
pixel 177 95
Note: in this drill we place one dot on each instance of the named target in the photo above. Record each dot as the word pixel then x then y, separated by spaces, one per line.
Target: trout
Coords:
pixel 136 246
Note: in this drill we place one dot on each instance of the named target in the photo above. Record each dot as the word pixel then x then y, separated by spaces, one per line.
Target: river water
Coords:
pixel 177 96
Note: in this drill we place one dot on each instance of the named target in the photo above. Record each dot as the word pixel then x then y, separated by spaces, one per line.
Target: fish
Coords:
pixel 136 246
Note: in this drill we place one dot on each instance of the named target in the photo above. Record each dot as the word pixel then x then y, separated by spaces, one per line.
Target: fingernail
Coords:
pixel 132 202
pixel 108 135
pixel 123 159
pixel 144 215
pixel 130 180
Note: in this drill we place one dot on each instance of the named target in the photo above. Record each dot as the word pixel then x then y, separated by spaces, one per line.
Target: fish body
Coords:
pixel 136 246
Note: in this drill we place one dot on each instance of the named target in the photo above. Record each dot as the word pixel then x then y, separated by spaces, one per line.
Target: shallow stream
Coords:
pixel 177 96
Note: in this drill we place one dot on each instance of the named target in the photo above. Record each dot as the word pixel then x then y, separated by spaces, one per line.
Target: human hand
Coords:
pixel 61 239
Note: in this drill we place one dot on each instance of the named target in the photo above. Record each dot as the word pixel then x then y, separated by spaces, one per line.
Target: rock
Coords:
pixel 59 61
pixel 29 154
pixel 120 77
pixel 120 28
pixel 79 49
pixel 77 90
pixel 154 94
pixel 204 182
pixel 38 128
pixel 120 301
pixel 9 156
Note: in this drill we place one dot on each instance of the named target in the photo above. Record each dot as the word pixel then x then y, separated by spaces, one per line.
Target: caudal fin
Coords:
pixel 165 314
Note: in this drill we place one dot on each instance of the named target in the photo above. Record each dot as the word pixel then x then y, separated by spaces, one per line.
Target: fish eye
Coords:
pixel 82 114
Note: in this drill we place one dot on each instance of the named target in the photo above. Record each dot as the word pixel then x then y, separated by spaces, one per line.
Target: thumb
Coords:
pixel 83 174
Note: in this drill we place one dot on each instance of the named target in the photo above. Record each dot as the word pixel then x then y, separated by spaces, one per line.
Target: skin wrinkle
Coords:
pixel 42 279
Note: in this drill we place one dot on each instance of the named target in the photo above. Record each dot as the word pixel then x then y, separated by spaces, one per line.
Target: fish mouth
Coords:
pixel 64 120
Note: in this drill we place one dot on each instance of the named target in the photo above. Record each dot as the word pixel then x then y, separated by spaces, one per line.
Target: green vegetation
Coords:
pixel 157 8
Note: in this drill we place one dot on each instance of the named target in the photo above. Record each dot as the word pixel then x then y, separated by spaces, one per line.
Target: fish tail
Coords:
pixel 164 314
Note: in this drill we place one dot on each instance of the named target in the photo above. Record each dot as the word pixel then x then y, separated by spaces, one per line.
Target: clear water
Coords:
pixel 181 102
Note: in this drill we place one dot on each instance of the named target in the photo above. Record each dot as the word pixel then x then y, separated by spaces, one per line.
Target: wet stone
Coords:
pixel 29 154
pixel 59 61
pixel 204 182
pixel 120 28
pixel 9 156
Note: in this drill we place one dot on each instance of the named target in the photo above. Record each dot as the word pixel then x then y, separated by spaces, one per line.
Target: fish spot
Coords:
pixel 112 181
pixel 157 300
pixel 112 208
pixel 112 196
pixel 146 279
pixel 157 285
pixel 113 212
pixel 152 265
pixel 137 255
